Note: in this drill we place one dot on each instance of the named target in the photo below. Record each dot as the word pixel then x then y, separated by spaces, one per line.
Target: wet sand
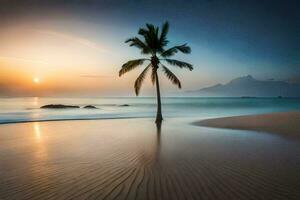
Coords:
pixel 285 124
pixel 134 159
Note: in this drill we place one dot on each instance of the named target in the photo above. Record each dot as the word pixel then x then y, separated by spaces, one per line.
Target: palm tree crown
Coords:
pixel 154 43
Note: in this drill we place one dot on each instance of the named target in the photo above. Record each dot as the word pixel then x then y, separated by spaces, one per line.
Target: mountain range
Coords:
pixel 247 86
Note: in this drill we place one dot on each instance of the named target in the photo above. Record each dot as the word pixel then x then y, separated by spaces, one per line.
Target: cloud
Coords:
pixel 94 76
pixel 72 38
pixel 24 60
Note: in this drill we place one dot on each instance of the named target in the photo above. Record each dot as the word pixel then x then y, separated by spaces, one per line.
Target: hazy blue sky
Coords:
pixel 228 38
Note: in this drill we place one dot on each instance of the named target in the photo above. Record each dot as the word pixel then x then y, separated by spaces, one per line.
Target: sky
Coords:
pixel 76 47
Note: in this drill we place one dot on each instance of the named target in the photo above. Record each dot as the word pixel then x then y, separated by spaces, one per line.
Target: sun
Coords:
pixel 36 80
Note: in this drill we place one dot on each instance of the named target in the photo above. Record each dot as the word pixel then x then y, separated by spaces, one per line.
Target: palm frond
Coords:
pixel 136 42
pixel 151 27
pixel 139 81
pixel 152 39
pixel 172 51
pixel 171 76
pixel 179 64
pixel 142 31
pixel 148 36
pixel 163 36
pixel 130 65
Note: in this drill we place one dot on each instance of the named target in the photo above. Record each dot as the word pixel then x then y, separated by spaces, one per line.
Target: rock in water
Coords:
pixel 124 105
pixel 58 106
pixel 90 107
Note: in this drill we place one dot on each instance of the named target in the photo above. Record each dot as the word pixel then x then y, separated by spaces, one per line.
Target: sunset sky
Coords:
pixel 71 48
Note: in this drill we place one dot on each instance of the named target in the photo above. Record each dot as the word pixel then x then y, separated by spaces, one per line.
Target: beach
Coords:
pixel 149 100
pixel 134 159
pixel 284 124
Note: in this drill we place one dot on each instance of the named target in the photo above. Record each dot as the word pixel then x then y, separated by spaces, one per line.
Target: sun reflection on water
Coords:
pixel 35 101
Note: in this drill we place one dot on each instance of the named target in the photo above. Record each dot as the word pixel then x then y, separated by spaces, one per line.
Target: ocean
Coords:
pixel 27 109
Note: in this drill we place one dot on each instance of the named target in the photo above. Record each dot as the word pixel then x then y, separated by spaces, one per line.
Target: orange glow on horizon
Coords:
pixel 41 63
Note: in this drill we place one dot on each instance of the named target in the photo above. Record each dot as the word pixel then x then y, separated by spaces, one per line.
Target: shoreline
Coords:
pixel 280 123
pixel 76 119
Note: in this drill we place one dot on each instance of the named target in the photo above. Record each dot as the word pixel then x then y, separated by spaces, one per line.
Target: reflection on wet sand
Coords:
pixel 133 159
pixel 37 131
pixel 158 141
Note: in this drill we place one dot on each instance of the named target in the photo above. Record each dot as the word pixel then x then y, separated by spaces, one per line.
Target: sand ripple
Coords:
pixel 132 159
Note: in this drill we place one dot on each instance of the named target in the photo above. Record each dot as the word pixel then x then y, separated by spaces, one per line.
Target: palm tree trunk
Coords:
pixel 159 117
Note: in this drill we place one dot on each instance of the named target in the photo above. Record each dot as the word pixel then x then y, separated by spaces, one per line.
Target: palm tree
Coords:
pixel 154 43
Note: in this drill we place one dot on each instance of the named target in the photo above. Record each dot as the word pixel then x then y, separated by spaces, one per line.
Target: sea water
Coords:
pixel 28 109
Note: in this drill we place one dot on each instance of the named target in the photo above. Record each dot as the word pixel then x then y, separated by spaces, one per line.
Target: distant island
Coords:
pixel 249 87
